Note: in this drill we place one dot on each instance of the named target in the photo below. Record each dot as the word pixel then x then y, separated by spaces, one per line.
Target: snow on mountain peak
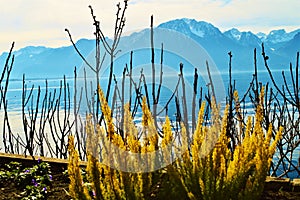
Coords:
pixel 233 34
pixel 261 36
pixel 202 28
pixel 177 25
pixel 245 38
pixel 277 36
pixel 191 26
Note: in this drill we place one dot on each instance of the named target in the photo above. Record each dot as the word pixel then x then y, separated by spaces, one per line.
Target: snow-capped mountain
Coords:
pixel 179 25
pixel 262 36
pixel 202 29
pixel 190 26
pixel 233 34
pixel 241 44
pixel 278 36
pixel 244 38
pixel 280 46
pixel 248 38
pixel 291 47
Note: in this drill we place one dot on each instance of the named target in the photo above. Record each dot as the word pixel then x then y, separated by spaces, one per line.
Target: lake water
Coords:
pixel 220 81
pixel 242 80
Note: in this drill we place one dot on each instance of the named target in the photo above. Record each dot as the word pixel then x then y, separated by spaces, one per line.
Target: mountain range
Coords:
pixel 280 46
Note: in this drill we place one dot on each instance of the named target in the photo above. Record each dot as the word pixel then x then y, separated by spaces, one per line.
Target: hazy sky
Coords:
pixel 42 22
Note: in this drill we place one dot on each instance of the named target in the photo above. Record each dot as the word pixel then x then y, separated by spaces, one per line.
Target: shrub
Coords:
pixel 207 169
pixel 220 173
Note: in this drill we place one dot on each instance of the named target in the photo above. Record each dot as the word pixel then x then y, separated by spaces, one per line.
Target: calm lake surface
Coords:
pixel 242 80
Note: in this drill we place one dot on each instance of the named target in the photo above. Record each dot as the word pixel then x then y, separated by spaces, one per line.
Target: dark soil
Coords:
pixel 58 189
pixel 60 184
pixel 282 195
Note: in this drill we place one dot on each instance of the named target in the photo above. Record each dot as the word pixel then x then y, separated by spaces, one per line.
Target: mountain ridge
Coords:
pixel 281 46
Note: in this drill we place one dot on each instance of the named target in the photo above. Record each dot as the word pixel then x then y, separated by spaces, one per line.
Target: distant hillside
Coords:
pixel 54 62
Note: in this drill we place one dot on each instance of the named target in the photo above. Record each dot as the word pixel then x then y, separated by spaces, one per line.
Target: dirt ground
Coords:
pixel 60 184
pixel 57 191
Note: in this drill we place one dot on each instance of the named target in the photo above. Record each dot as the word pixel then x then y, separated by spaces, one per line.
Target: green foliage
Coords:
pixel 34 181
pixel 11 171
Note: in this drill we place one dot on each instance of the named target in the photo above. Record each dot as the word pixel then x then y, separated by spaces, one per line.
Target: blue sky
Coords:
pixel 42 22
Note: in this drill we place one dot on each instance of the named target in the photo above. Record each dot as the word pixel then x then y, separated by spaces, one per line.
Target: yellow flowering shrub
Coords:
pixel 206 169
pixel 76 188
pixel 109 182
pixel 216 172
